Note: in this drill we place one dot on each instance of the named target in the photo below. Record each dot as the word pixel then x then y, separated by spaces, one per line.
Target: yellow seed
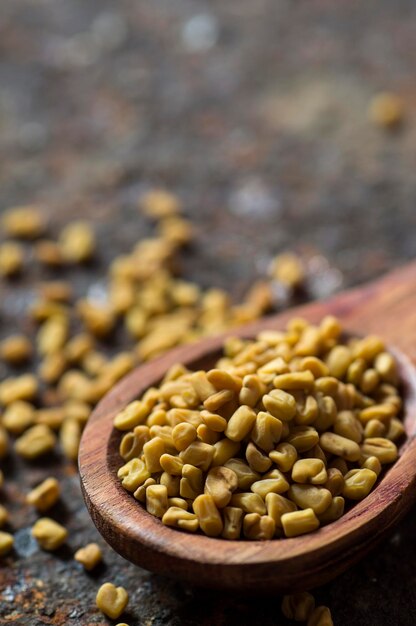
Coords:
pixel 340 446
pixel 288 269
pixel 335 481
pixel 35 442
pixel 334 511
pixel 275 484
pixel 383 449
pixel 178 502
pixel 321 616
pixel 170 463
pixel 223 451
pixel 77 242
pixel 179 518
pixel 140 493
pixel 52 417
pixel 372 463
pixel 347 425
pixel 309 496
pixel 309 471
pixel 159 203
pixel 280 404
pixel 338 361
pixel 157 500
pixel 191 483
pixel 380 412
pixel 358 483
pixel 99 320
pixel 183 435
pixel 132 443
pixel 6 543
pixel 52 335
pixel 45 495
pixel 207 435
pixel 240 423
pixel 198 454
pixel 284 456
pixel 386 110
pixel 386 367
pixel 153 450
pixel 299 522
pixel 23 222
pixel 258 527
pixel 220 484
pixel 16 349
pixel 252 390
pixel 396 430
pixel 298 606
pixel 4 516
pixel 52 367
pixel 369 381
pixel 233 520
pixel 23 387
pixel 11 259
pixel 267 431
pixel 327 413
pixel 134 414
pixel 277 505
pixel 217 400
pixel 49 534
pixel 208 516
pixel 133 474
pixel 368 348
pixel 257 460
pixel 308 413
pixel 89 556
pixel 112 600
pixel 70 437
pixel 374 428
pixel 215 422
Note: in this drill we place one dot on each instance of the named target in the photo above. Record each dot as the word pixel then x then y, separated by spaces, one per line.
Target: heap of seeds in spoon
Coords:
pixel 277 439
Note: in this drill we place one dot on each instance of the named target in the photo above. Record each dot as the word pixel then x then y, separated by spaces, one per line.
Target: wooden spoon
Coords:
pixel 386 307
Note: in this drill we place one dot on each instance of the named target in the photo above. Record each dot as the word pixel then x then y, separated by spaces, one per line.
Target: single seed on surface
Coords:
pixel 112 600
pixel 89 556
pixel 49 534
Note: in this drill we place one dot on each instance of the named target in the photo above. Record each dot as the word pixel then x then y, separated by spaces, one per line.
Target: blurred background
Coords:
pixel 277 125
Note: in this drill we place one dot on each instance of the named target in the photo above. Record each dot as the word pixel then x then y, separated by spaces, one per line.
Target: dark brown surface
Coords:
pixel 272 116
pixel 281 565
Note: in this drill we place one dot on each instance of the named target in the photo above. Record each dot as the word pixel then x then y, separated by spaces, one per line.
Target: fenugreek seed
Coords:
pixel 191 483
pixel 275 484
pixel 267 431
pixel 4 516
pixel 207 435
pixel 217 400
pixel 89 556
pixel 385 366
pixel 303 438
pixel 383 449
pixel 368 348
pixel 340 446
pixel 70 437
pixel 11 259
pixel 334 511
pixel 179 518
pixel 23 387
pixel 132 443
pixel 314 365
pixel 49 253
pixel 258 461
pixel 52 335
pixel 157 500
pixel 375 428
pixel 220 484
pixel 249 503
pixel 258 527
pixel 198 454
pixel 224 450
pixel 327 413
pixel 396 430
pixel 240 423
pixel 335 481
pixel 298 606
pixel 277 505
pixel 369 381
pixel 159 204
pixel 168 462
pixel 16 349
pixel 177 416
pixel 183 435
pixel 338 360
pixel 386 111
pixel 23 222
pixel 347 425
pixel 380 412
pixel 140 493
pixel 355 371
pixel 18 416
pixel 77 242
pixel 208 515
pixel 35 442
pixel 45 495
pixel 171 482
pixel 288 269
pixel 284 456
pixel 153 450
pixel 252 390
pixel 6 543
pixel 310 342
pixel 49 534
pixel 133 474
pixel 233 520
pixel 321 616
pixel 339 464
pixel 280 404
pixel 309 496
pixel 134 414
pixel 245 475
pixel 272 368
pixel 308 413
pixel 202 386
pixel 309 471
pixel 358 483
pixel 52 417
pixel 299 522
pixel 112 600
pixel 215 422
pixel 78 347
pixel 372 463
pixel 99 320
pixel 330 327
pixel 178 502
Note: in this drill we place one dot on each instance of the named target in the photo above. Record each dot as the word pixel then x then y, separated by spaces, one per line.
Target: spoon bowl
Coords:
pixel 384 307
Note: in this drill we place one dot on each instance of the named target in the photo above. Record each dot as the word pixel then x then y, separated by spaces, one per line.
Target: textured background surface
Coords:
pixel 255 113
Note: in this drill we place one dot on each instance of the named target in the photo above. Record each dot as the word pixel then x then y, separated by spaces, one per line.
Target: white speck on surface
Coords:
pixel 200 33
pixel 254 198
pixel 97 293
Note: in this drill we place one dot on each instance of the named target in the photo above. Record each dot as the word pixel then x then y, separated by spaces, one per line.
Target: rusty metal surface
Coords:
pixel 255 114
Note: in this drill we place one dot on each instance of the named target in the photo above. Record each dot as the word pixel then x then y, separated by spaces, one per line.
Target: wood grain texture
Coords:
pixel 385 307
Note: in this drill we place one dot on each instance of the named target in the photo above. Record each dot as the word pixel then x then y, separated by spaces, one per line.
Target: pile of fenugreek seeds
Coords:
pixel 273 441
pixel 64 343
